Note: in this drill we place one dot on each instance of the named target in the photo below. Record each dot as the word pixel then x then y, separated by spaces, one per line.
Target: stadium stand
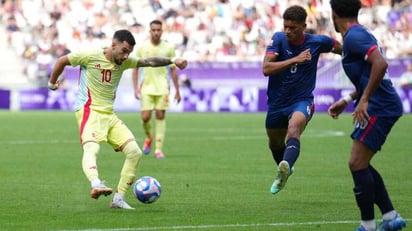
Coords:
pixel 38 31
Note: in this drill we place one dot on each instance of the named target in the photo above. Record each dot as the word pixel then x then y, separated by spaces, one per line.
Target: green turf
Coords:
pixel 216 176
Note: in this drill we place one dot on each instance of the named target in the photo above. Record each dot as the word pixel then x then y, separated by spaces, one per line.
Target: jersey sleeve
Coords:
pixel 327 43
pixel 360 43
pixel 274 44
pixel 79 58
pixel 131 62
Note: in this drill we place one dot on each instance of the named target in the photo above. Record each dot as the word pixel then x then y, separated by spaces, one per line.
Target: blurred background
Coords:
pixel 224 40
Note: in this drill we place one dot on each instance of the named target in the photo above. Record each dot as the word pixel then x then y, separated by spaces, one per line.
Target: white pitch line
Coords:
pixel 196 227
pixel 313 134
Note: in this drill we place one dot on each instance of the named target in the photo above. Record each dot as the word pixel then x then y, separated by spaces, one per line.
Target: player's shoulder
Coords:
pixel 279 35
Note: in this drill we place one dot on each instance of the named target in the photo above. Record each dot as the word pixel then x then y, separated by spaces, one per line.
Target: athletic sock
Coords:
pixel 133 155
pixel 147 127
pixel 292 151
pixel 278 154
pixel 389 215
pixel 381 195
pixel 369 224
pixel 364 193
pixel 160 134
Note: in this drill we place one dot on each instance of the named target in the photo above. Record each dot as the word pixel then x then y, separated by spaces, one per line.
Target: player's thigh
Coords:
pixel 305 108
pixel 276 119
pixel 374 133
pixel 119 133
pixel 147 102
pixel 161 102
pixel 276 137
pixel 93 125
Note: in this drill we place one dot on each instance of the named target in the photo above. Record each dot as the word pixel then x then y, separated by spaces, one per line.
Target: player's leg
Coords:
pixel 276 128
pixel 299 116
pixel 363 180
pixel 391 219
pixel 161 105
pixel 122 139
pixel 147 105
pixel 93 127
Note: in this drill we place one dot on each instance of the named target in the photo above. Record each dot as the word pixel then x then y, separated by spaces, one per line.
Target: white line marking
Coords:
pixel 196 227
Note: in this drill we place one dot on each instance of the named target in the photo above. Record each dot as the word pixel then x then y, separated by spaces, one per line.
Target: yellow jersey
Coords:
pixel 98 79
pixel 155 80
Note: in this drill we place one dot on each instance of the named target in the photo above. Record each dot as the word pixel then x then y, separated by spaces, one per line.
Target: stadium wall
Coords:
pixel 215 87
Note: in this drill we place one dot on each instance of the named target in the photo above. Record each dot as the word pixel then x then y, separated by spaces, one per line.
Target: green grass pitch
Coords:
pixel 216 175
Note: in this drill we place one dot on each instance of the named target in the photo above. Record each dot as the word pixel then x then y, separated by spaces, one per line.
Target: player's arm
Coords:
pixel 58 69
pixel 161 61
pixel 135 79
pixel 378 71
pixel 339 106
pixel 271 66
pixel 337 48
pixel 173 73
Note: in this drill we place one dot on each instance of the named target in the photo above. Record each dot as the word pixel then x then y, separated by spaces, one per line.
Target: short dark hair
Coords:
pixel 124 35
pixel 346 8
pixel 156 21
pixel 295 13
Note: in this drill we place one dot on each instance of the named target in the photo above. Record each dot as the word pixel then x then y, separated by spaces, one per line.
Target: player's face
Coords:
pixel 294 30
pixel 121 51
pixel 334 18
pixel 155 32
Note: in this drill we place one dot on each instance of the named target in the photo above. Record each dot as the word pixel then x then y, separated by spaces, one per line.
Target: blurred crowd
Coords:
pixel 202 30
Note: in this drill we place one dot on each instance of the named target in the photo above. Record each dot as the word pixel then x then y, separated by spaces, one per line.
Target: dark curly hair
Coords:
pixel 124 35
pixel 295 13
pixel 346 8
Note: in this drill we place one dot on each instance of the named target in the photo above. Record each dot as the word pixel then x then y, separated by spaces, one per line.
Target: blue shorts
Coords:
pixel 279 117
pixel 374 133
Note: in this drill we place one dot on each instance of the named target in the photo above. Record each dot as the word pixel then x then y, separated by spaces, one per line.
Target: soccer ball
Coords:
pixel 147 189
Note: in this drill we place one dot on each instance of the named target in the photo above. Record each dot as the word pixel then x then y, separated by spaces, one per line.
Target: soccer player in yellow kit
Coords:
pixel 153 90
pixel 100 73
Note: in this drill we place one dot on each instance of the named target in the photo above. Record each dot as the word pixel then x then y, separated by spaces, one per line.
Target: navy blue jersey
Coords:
pixel 358 43
pixel 298 82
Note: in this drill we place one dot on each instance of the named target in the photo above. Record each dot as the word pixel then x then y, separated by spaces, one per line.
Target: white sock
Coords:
pixel 95 182
pixel 118 196
pixel 369 225
pixel 389 215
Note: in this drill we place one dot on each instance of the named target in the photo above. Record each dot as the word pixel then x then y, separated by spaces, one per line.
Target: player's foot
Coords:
pixel 100 189
pixel 362 228
pixel 147 146
pixel 281 178
pixel 397 223
pixel 120 204
pixel 159 155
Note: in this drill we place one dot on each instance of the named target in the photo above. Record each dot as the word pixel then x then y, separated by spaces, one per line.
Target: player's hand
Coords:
pixel 304 56
pixel 177 98
pixel 337 108
pixel 180 63
pixel 53 86
pixel 137 94
pixel 360 114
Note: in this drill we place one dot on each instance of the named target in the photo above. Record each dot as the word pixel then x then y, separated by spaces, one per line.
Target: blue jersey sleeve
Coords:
pixel 359 43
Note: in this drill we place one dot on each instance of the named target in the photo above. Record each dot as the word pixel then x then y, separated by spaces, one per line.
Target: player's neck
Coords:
pixel 346 24
pixel 155 42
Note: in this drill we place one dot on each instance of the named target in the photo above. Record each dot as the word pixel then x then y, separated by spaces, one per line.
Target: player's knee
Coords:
pixel 132 151
pixel 91 148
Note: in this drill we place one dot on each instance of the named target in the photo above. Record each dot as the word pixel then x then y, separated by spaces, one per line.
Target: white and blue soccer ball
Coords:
pixel 147 189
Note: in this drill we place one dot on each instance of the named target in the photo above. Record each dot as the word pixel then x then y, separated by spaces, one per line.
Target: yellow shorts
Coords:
pixel 150 102
pixel 101 127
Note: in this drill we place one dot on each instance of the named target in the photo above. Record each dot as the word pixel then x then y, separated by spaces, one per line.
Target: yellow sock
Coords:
pixel 90 151
pixel 160 134
pixel 147 127
pixel 133 155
